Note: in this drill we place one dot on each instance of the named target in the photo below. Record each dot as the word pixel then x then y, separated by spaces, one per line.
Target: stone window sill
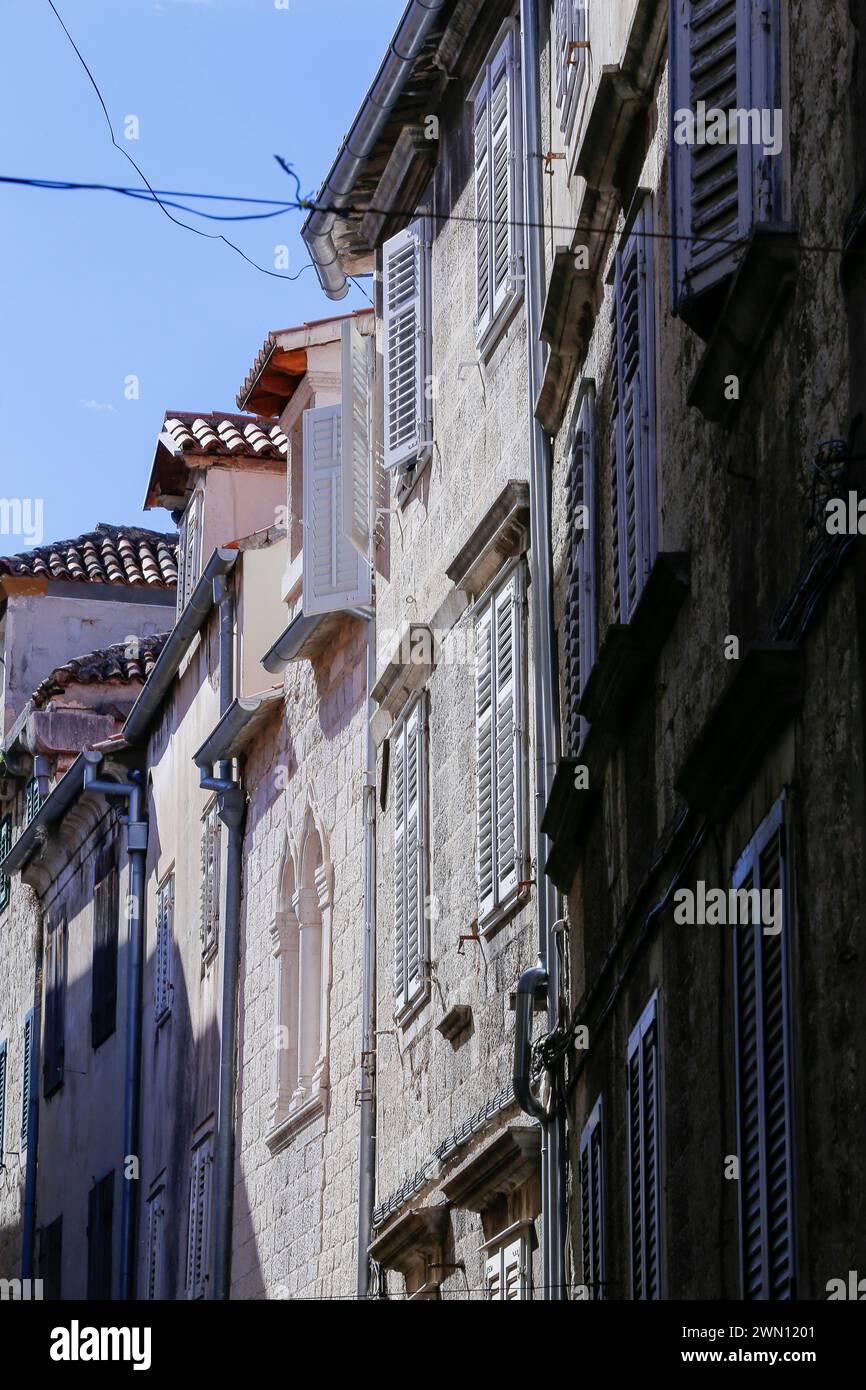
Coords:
pixel 296 1119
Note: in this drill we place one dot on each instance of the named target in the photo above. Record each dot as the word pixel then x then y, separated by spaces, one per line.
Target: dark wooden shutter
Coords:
pixel 100 1214
pixel 5 847
pixel 106 910
pixel 26 1077
pixel 55 1006
pixel 726 53
pixel 636 411
pixel 50 1255
pixel 644 1154
pixel 581 623
pixel 762 1037
pixel 592 1203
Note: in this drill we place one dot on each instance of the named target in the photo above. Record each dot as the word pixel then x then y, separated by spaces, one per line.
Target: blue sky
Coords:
pixel 95 287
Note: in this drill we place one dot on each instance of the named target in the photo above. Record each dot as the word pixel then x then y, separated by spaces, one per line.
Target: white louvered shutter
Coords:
pixel 513 1273
pixel 164 937
pixel 644 1156
pixel 581 618
pixel 592 1203
pixel 636 412
pixel 502 173
pixel 409 869
pixel 335 575
pixel 725 53
pixel 493 1277
pixel 762 1028
pixel 507 749
pixel 405 300
pixel 483 311
pixel 484 765
pixel 356 436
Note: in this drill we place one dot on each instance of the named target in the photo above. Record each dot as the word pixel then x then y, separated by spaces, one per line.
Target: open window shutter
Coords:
pixel 484 769
pixel 399 757
pixel 644 1169
pixel 192 1234
pixel 636 410
pixel 54 1049
pixel 591 1202
pixel 581 619
pixel 356 436
pixel 483 310
pixel 763 1063
pixel 2 1101
pixel 103 1016
pixel 403 264
pixel 26 1076
pixel 414 852
pixel 508 830
pixel 570 61
pixel 502 173
pixel 335 575
pixel 5 848
pixel 204 1201
pixel 727 54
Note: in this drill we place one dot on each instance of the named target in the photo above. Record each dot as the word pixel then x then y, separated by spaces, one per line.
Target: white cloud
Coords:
pixel 100 406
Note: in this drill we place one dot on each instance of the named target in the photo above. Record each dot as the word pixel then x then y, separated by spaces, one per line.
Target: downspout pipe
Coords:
pixel 546 676
pixel 419 19
pixel 232 812
pixel 28 1234
pixel 367 1071
pixel 136 843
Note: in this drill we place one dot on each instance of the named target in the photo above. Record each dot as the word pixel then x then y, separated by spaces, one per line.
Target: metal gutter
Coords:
pixel 53 809
pixel 419 18
pixel 236 728
pixel 290 642
pixel 185 629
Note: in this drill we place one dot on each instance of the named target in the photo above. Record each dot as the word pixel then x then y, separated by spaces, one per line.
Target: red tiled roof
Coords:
pixel 127 555
pixel 110 666
pixel 218 433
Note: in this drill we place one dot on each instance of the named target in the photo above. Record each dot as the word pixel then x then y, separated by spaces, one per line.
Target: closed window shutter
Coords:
pixel 356 436
pixel 51 1259
pixel 636 413
pixel 405 275
pixel 2 1103
pixel 335 575
pixel 493 1277
pixel 484 694
pixel 501 177
pixel 100 1220
pixel 499 750
pixel 409 879
pixel 199 1219
pixel 581 620
pixel 592 1203
pixel 26 1077
pixel 644 1155
pixel 762 1029
pixel 725 53
pixel 106 908
pixel 164 937
pixel 55 1006
pixel 210 878
pixel 190 551
pixel 155 1222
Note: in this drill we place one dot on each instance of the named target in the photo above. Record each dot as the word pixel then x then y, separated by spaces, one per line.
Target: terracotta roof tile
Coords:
pixel 127 555
pixel 250 435
pixel 115 665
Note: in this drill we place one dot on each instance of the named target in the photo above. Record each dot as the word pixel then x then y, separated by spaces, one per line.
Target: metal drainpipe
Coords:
pixel 545 663
pixel 28 1234
pixel 232 808
pixel 136 843
pixel 367 1078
